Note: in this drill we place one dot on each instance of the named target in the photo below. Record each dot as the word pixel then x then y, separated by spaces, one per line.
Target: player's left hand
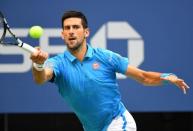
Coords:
pixel 178 82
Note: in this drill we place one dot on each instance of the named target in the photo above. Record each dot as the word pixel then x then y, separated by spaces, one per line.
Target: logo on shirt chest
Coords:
pixel 95 65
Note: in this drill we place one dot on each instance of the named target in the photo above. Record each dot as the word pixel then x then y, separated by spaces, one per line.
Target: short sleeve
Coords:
pixel 119 62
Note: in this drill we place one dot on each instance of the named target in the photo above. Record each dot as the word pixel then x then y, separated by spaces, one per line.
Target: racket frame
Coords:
pixel 19 43
pixel 4 27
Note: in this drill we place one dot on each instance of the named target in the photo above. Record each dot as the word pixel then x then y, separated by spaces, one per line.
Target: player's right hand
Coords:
pixel 39 56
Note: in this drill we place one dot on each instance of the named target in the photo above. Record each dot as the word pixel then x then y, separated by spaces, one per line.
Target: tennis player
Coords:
pixel 86 77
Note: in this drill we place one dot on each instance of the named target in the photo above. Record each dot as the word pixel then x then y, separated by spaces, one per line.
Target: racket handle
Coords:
pixel 28 48
pixel 25 46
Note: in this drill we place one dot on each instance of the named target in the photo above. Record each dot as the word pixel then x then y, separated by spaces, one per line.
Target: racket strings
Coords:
pixel 2 30
pixel 4 37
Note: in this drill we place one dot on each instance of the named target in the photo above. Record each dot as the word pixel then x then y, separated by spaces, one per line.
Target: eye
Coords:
pixel 66 27
pixel 76 26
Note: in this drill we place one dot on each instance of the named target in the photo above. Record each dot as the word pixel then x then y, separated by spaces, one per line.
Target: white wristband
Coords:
pixel 38 67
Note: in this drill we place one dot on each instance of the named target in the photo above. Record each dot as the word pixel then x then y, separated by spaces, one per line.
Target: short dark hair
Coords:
pixel 76 14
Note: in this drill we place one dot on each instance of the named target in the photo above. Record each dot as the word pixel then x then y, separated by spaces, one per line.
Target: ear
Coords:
pixel 87 32
pixel 62 36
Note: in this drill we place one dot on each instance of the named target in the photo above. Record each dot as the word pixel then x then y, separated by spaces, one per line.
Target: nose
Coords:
pixel 71 30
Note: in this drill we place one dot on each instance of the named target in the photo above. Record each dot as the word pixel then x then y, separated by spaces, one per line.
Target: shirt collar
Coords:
pixel 88 54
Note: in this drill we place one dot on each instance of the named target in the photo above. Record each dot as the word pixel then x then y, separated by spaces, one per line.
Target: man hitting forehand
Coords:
pixel 86 77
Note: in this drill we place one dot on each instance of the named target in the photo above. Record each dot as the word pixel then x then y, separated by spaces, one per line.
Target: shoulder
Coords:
pixel 56 59
pixel 103 52
pixel 104 55
pixel 58 56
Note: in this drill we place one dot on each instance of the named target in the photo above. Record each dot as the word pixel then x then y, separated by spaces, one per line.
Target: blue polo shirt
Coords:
pixel 90 87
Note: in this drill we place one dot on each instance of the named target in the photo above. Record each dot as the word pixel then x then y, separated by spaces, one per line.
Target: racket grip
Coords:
pixel 28 48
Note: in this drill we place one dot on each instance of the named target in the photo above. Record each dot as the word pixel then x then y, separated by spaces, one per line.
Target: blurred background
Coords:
pixel 154 35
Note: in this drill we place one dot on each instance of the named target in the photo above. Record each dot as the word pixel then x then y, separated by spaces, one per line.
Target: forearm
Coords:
pixel 144 77
pixel 39 76
pixel 155 78
pixel 152 79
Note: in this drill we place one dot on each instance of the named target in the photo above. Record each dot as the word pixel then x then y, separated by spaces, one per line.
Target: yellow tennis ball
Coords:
pixel 36 32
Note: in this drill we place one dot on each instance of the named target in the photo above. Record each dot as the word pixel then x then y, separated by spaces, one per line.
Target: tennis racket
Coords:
pixel 4 28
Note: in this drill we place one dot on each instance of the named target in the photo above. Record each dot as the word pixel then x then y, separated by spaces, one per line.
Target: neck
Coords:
pixel 80 52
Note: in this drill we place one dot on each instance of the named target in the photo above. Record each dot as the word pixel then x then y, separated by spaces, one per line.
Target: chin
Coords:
pixel 72 47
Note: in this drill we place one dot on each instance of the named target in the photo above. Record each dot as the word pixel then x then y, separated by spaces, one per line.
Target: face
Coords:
pixel 74 34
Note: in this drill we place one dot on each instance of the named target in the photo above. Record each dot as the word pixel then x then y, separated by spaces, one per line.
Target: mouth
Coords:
pixel 72 38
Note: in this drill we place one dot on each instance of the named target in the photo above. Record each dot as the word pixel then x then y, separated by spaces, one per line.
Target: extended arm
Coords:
pixel 154 78
pixel 40 74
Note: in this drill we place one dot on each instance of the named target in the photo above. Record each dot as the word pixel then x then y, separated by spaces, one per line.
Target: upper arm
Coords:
pixel 49 73
pixel 41 77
